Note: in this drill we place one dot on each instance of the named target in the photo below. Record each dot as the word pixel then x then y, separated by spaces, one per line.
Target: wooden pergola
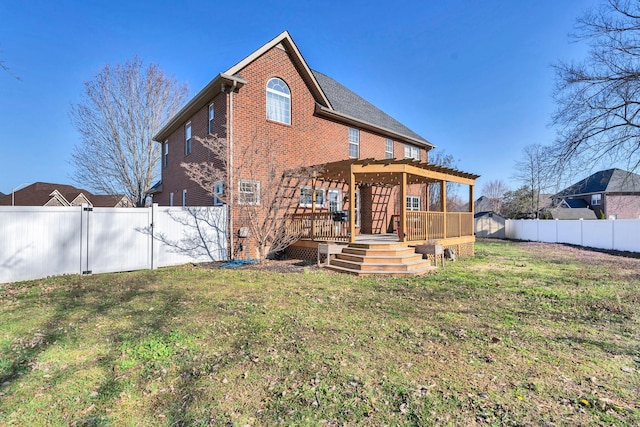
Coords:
pixel 392 172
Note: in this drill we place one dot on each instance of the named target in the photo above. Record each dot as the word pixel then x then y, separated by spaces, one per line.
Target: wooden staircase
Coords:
pixel 393 259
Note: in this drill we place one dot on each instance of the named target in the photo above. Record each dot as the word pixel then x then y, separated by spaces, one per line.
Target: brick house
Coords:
pixel 273 99
pixel 611 193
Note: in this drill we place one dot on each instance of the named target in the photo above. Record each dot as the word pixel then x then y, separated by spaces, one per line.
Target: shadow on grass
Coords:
pixel 606 347
pixel 75 308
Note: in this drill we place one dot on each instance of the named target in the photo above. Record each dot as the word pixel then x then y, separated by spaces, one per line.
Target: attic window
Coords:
pixel 278 101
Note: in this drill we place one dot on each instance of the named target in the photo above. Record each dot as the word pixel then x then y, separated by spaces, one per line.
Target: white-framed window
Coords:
pixel 596 199
pixel 335 200
pixel 165 154
pixel 187 138
pixel 249 192
pixel 306 199
pixel 354 143
pixel 413 203
pixel 388 148
pixel 278 101
pixel 170 199
pixel 184 198
pixel 212 115
pixel 218 189
pixel 411 152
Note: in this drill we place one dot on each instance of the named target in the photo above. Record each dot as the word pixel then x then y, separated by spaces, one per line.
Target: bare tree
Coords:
pixel 441 158
pixel 121 109
pixel 534 172
pixel 598 115
pixel 6 69
pixel 266 194
pixel 495 190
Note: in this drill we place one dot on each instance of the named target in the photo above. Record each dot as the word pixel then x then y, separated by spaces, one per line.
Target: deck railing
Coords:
pixel 317 226
pixel 420 226
pixel 430 225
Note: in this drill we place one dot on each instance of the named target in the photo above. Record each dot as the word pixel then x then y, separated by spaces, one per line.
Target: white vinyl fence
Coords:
pixel 614 234
pixel 37 242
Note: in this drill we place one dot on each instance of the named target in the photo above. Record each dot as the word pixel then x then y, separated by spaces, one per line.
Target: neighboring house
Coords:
pixel 483 204
pixel 47 194
pixel 489 224
pixel 272 99
pixel 611 193
pixel 564 213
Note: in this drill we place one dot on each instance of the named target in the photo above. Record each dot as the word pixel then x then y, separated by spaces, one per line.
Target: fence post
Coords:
pixel 613 234
pixel 84 239
pixel 581 231
pixel 155 246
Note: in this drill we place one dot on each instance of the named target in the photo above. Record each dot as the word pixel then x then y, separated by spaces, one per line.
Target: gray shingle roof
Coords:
pixel 346 102
pixel 606 181
pixel 566 213
pixel 576 203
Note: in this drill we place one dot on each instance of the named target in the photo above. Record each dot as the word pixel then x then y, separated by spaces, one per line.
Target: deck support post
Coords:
pixel 313 207
pixel 443 205
pixel 403 208
pixel 352 205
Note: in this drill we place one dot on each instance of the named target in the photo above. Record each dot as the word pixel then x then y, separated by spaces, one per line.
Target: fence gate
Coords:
pixel 107 248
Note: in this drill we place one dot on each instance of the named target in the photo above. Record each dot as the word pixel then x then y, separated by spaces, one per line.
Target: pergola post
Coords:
pixel 313 207
pixel 443 204
pixel 352 205
pixel 403 208
pixel 427 198
pixel 471 199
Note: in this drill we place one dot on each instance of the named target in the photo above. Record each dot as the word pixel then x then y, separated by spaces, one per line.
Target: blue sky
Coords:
pixel 472 77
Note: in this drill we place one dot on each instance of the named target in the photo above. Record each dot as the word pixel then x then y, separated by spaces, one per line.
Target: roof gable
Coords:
pixel 333 99
pixel 48 194
pixel 285 42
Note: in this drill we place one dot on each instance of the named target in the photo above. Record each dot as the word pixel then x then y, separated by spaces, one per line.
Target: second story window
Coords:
pixel 278 101
pixel 187 138
pixel 165 154
pixel 354 143
pixel 388 148
pixel 211 117
pixel 596 199
pixel 411 152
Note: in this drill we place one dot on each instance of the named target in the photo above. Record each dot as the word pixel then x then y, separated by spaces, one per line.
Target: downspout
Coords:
pixel 230 168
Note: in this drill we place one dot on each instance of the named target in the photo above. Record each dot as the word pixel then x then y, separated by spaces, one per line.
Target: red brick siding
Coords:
pixel 174 178
pixel 622 206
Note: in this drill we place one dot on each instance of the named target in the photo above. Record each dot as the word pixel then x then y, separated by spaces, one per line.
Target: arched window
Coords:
pixel 278 101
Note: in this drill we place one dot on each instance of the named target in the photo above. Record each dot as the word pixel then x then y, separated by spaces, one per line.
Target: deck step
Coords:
pixel 391 245
pixel 415 272
pixel 380 258
pixel 394 259
pixel 379 251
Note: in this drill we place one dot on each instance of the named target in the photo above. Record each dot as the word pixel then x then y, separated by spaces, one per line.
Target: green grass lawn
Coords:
pixel 521 334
